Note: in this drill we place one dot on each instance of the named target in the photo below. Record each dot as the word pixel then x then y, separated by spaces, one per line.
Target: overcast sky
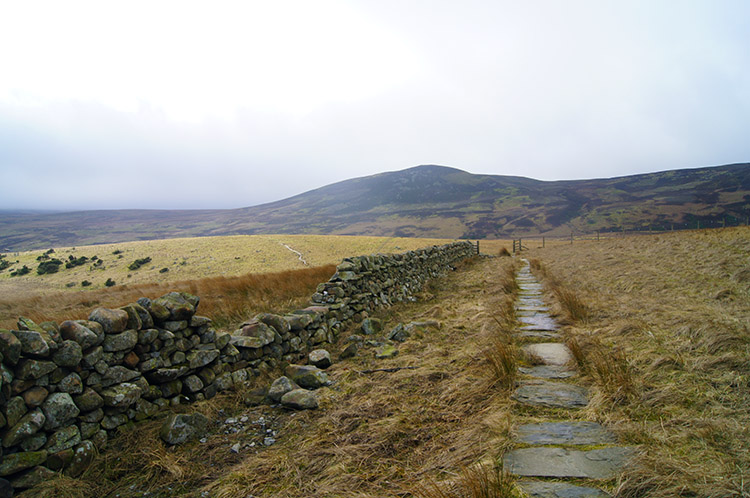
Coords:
pixel 220 104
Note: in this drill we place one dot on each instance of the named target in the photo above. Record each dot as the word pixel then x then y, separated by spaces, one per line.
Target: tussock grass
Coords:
pixel 478 481
pixel 669 361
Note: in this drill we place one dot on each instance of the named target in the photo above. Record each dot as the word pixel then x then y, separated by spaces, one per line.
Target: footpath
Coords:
pixel 559 456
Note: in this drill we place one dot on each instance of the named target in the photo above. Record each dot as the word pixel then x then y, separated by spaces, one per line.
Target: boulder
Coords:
pixel 399 333
pixel 71 384
pixel 69 354
pixel 33 342
pixel 15 408
pixel 371 326
pixel 350 351
pixel 83 455
pixel 29 479
pixel 180 305
pixel 21 461
pixel 79 333
pixel 10 347
pixel 319 358
pixel 35 396
pixel 124 341
pixel 180 428
pixel 300 399
pixel 26 427
pixel 121 396
pixel 63 439
pixel 202 357
pixel 33 369
pixel 280 387
pixel 112 321
pixel 279 323
pixel 307 376
pixel 58 408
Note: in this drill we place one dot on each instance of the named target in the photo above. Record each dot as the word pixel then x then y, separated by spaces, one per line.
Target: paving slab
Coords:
pixel 552 394
pixel 538 321
pixel 548 372
pixel 531 310
pixel 551 353
pixel 605 463
pixel 572 433
pixel 530 301
pixel 542 489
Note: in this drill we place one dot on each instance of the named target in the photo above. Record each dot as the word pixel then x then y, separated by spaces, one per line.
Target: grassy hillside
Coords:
pixel 426 201
pixel 206 266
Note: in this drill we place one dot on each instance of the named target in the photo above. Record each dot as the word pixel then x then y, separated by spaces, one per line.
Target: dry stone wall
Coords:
pixel 66 388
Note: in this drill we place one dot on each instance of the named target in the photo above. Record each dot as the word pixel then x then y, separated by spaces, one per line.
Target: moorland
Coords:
pixel 424 201
pixel 658 328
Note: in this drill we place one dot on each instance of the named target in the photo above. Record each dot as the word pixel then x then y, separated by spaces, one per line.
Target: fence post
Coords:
pixel 571 237
pixel 597 235
pixel 477 248
pixel 542 242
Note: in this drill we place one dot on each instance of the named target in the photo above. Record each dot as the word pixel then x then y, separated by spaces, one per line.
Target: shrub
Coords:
pixel 109 282
pixel 138 263
pixel 164 270
pixel 116 252
pixel 73 262
pixel 51 266
pixel 4 264
pixel 85 283
pixel 21 271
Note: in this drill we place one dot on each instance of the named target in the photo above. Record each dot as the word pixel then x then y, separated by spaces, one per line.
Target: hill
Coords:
pixel 424 201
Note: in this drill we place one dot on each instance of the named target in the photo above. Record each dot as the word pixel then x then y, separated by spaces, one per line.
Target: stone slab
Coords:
pixel 539 334
pixel 538 308
pixel 530 301
pixel 605 463
pixel 552 394
pixel 548 372
pixel 551 353
pixel 538 321
pixel 542 489
pixel 572 433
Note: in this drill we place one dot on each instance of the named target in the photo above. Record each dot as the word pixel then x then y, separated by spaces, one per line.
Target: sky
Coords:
pixel 224 104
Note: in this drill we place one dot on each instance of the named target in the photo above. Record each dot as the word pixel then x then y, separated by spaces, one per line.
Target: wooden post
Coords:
pixel 571 237
pixel 477 248
pixel 597 235
pixel 542 242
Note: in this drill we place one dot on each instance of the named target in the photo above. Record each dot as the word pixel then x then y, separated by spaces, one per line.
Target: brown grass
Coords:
pixel 478 481
pixel 380 434
pixel 226 300
pixel 667 358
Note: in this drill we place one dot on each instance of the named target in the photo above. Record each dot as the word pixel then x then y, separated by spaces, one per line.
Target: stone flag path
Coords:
pixel 557 450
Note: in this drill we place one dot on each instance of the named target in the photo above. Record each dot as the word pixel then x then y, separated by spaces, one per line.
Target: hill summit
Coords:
pixel 425 201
